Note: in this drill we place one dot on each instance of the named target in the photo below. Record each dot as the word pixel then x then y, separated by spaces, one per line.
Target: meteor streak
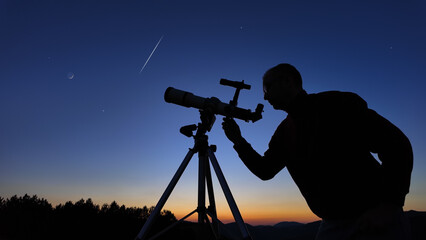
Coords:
pixel 151 54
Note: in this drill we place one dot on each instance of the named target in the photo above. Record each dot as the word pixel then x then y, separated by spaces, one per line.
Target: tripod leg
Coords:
pixel 142 234
pixel 203 161
pixel 201 208
pixel 212 203
pixel 228 195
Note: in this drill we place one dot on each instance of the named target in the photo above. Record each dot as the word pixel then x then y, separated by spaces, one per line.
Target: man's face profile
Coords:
pixel 278 91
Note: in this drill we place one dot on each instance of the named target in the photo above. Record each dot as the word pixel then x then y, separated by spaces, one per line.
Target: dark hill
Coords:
pixel 287 224
pixel 283 230
pixel 300 231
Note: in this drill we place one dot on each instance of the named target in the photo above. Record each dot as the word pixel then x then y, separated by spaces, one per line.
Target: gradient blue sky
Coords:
pixel 107 133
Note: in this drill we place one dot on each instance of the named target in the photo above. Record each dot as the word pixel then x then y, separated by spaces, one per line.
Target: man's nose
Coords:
pixel 266 96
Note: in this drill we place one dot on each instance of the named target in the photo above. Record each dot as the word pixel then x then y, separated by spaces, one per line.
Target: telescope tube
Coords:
pixel 187 99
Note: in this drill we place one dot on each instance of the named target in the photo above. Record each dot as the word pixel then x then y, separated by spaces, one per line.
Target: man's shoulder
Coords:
pixel 287 122
pixel 334 94
pixel 337 97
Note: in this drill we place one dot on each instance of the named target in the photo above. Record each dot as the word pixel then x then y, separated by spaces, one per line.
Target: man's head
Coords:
pixel 281 84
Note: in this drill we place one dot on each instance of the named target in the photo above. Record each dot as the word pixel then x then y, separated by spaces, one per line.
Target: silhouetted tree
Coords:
pixel 25 217
pixel 33 218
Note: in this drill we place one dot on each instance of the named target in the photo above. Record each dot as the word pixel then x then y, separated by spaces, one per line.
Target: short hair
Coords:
pixel 284 70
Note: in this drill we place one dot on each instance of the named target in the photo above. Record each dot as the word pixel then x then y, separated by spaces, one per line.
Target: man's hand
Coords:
pixel 232 130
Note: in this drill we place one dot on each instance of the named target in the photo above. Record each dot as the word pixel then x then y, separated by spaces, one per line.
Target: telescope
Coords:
pixel 209 107
pixel 187 99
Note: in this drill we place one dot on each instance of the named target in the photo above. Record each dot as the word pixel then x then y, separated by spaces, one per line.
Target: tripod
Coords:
pixel 205 153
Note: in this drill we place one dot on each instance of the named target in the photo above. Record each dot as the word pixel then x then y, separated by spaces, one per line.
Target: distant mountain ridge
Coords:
pixel 300 231
pixel 282 230
pixel 287 224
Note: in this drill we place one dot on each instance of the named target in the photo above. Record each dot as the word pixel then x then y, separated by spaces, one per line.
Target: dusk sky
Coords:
pixel 82 86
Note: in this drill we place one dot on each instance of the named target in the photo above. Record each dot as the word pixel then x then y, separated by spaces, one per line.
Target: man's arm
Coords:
pixel 394 151
pixel 391 145
pixel 396 156
pixel 265 167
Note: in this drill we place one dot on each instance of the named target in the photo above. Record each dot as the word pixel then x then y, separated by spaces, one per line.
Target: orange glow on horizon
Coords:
pixel 257 218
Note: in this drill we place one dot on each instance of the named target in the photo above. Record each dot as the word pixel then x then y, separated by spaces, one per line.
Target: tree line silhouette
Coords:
pixel 31 217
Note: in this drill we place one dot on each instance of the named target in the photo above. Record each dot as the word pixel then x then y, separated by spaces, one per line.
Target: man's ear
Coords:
pixel 289 81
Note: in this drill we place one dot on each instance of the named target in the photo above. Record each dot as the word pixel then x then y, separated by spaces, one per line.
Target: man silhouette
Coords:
pixel 326 142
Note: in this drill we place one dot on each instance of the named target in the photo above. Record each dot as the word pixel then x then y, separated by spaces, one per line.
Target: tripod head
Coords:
pixel 206 124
